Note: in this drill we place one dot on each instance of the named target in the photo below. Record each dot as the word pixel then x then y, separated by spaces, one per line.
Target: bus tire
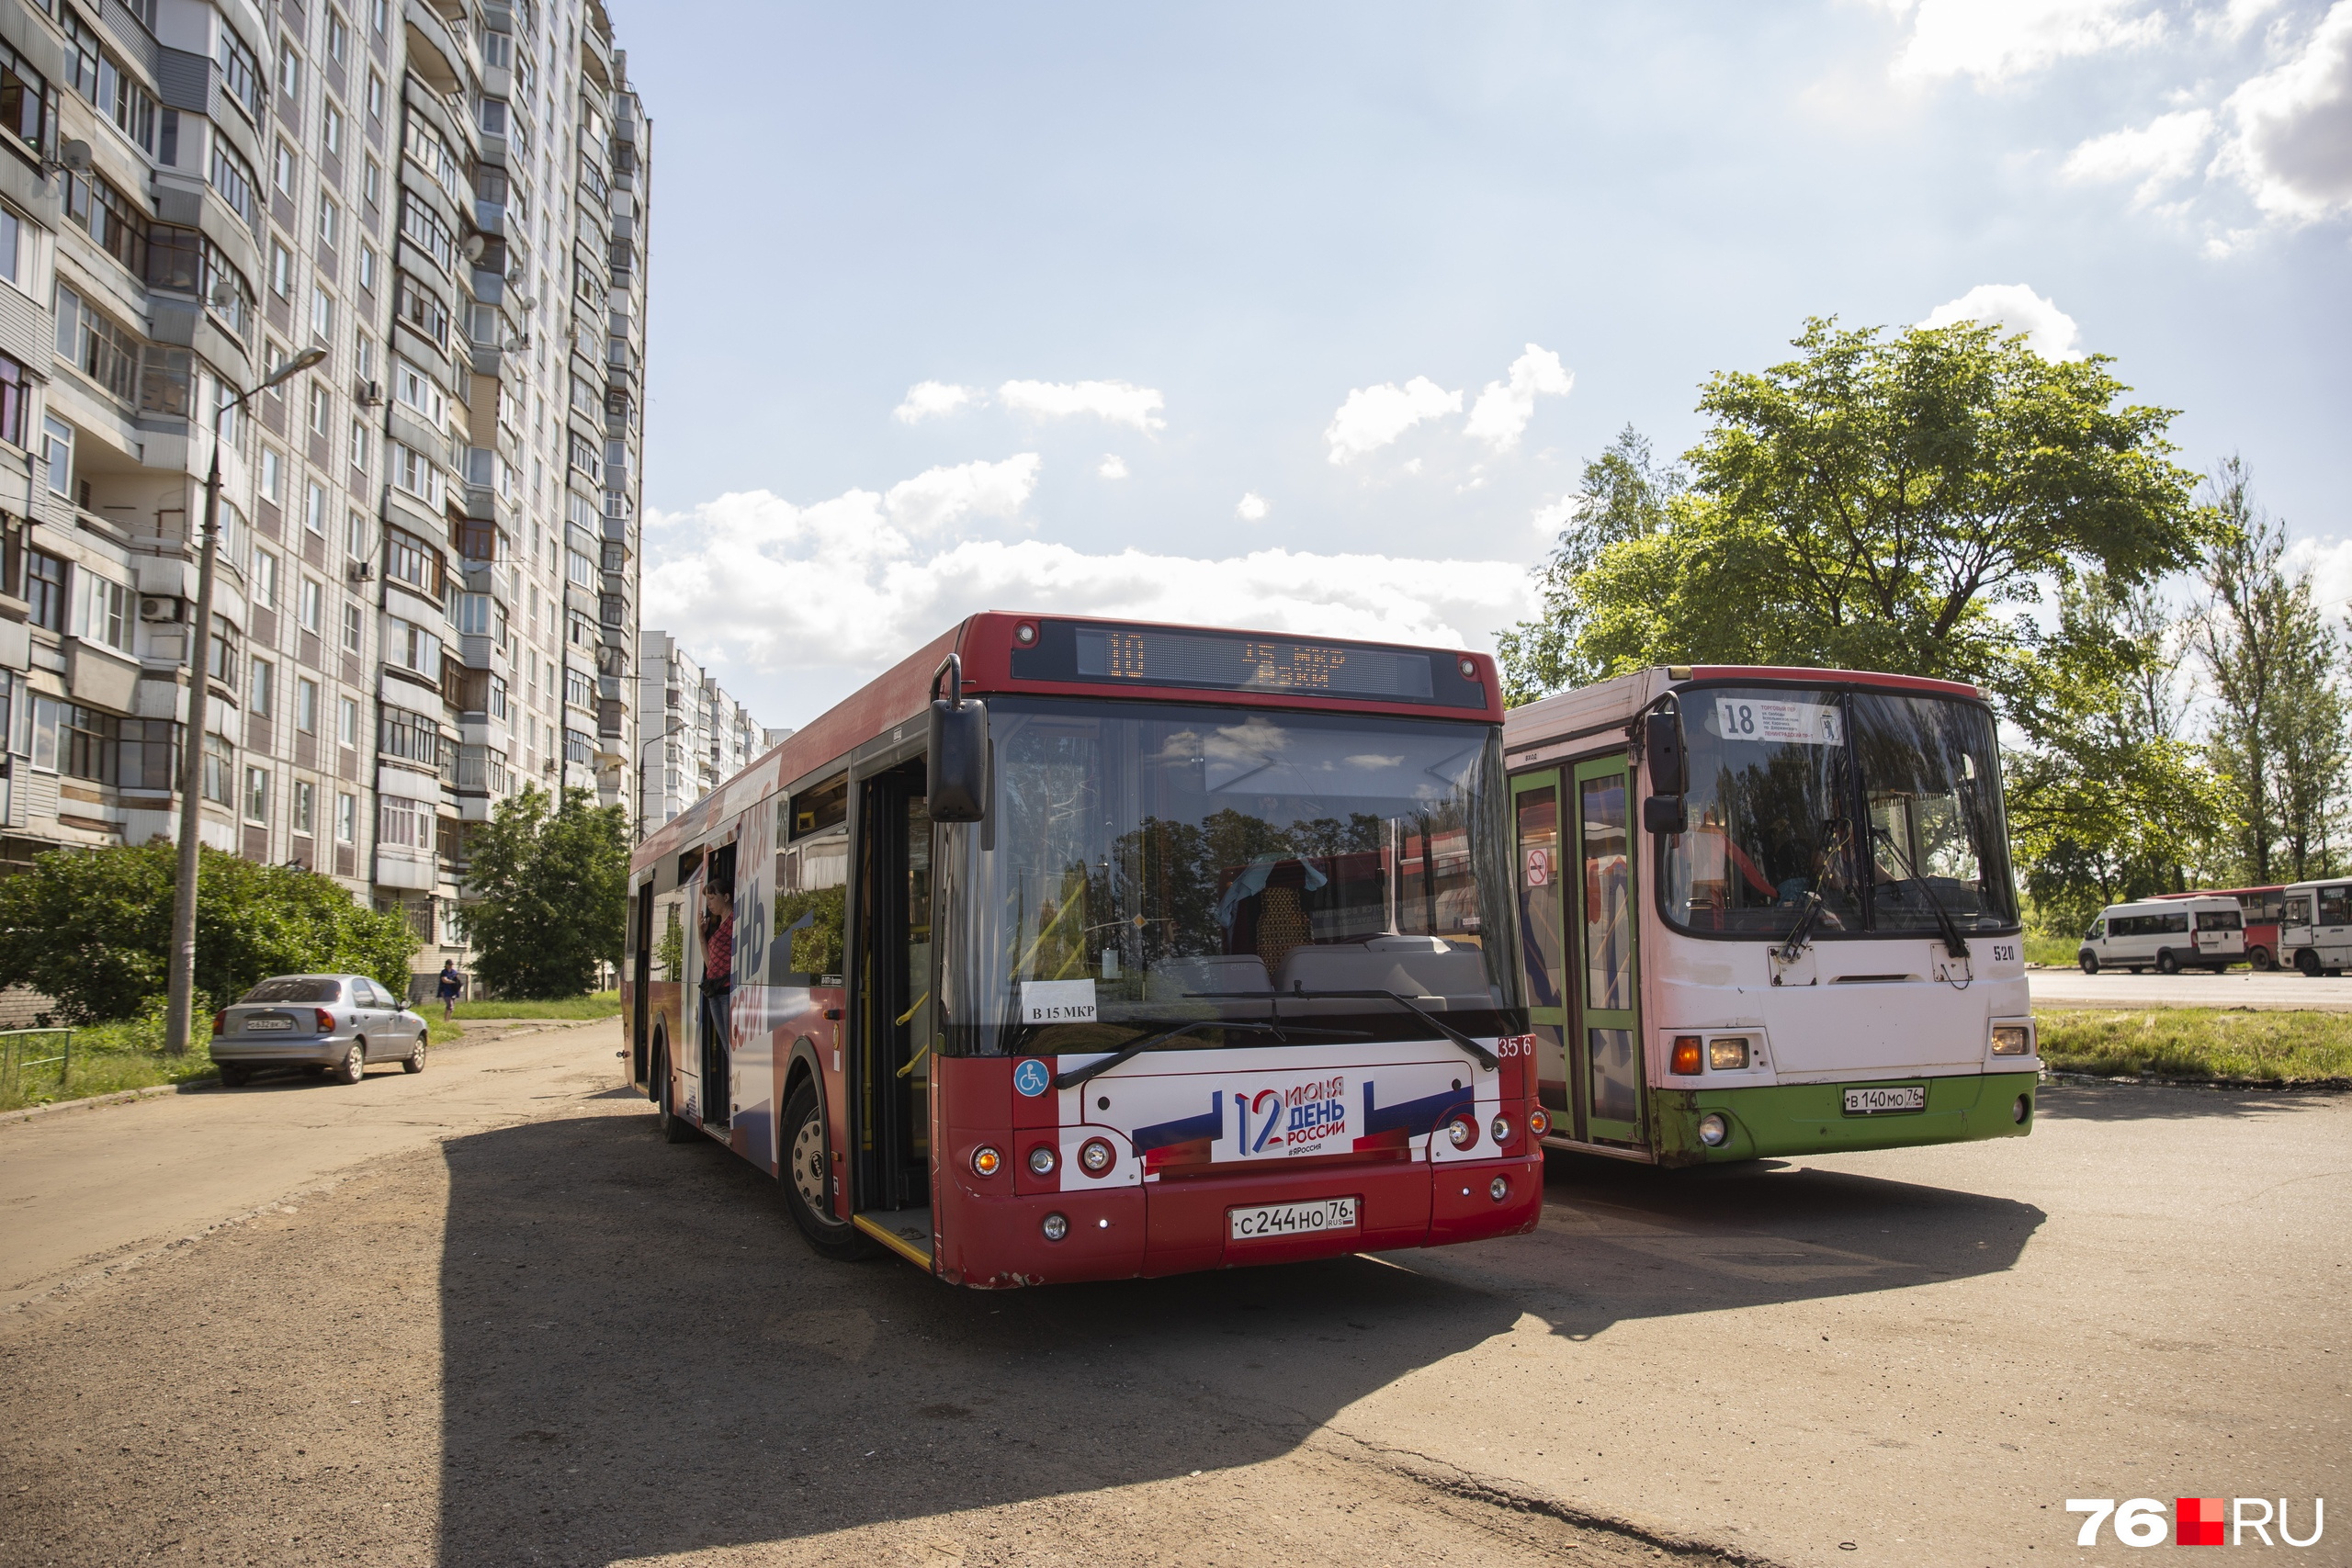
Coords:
pixel 2089 960
pixel 674 1129
pixel 2261 958
pixel 2307 963
pixel 805 1159
pixel 2166 963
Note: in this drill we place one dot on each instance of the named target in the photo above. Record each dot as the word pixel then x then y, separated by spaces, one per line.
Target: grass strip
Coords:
pixel 2221 1044
pixel 2059 951
pixel 596 1004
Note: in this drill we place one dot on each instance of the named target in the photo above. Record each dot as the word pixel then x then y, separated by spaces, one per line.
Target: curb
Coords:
pixel 2272 1085
pixel 199 1085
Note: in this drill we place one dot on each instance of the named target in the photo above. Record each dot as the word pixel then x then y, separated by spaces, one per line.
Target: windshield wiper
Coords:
pixel 1787 952
pixel 1954 943
pixel 1486 1058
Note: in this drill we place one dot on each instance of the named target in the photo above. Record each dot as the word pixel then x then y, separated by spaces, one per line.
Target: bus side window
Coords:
pixel 2332 906
pixel 669 936
pixel 812 886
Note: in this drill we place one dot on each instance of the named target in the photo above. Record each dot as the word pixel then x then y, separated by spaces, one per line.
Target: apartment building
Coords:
pixel 697 735
pixel 428 544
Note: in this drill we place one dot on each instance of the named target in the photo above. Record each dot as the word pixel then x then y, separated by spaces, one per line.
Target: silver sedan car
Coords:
pixel 334 1024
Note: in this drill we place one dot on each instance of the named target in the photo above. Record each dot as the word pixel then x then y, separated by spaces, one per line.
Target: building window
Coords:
pixel 351 628
pixel 410 647
pixel 311 603
pixel 396 822
pixel 265 578
pixel 164 380
pixel 368 269
pixel 281 271
pixel 418 391
pixel 149 754
pixel 289 69
pixel 321 315
pixel 412 737
pixel 220 661
pixel 347 818
pixel 428 151
pixel 240 73
pixel 579 569
pixel 12 251
pixel 359 434
pixel 314 508
pixel 418 307
pixel 256 794
pixel 338 38
pixel 273 477
pixel 306 705
pixel 346 722
pixel 92 742
pixel 57 455
pixel 374 93
pixel 330 224
pixel 354 535
pixel 106 612
pixel 45 588
pixel 281 170
pixel 217 761
pixel 423 227
pixel 303 792
pixel 410 560
pixel 263 689
pixel 321 411
pixel 14 385
pixel 577 748
pixel 415 473
pixel 92 343
pixel 578 689
pixel 498 696
pixel 586 459
pixel 232 177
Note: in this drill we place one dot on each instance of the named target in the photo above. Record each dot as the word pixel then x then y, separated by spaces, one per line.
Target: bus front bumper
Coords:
pixel 1781 1120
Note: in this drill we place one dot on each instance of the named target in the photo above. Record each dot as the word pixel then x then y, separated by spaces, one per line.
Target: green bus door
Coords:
pixel 1535 806
pixel 1605 1051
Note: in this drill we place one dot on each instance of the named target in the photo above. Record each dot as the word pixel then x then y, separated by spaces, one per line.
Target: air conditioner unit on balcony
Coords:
pixel 370 394
pixel 160 607
pixel 360 570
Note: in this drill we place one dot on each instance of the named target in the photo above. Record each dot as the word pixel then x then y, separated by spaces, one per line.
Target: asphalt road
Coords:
pixel 2239 987
pixel 525 1330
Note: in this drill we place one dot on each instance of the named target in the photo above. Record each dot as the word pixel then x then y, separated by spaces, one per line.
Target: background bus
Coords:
pixel 1070 950
pixel 1769 911
pixel 2260 908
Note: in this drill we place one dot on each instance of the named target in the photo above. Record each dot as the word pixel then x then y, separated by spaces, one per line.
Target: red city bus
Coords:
pixel 2262 905
pixel 1079 949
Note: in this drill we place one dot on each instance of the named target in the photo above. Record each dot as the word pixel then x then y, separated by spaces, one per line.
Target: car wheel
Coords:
pixel 2089 961
pixel 414 1060
pixel 2166 963
pixel 2307 963
pixel 806 1162
pixel 235 1075
pixel 2261 960
pixel 354 1065
pixel 674 1127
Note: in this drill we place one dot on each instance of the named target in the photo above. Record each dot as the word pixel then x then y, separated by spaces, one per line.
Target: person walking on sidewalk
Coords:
pixel 451 986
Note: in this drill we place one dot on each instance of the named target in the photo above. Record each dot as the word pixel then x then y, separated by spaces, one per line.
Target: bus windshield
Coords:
pixel 1153 865
pixel 1888 804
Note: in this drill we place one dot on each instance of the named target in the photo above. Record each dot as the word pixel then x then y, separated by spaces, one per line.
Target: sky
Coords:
pixel 1305 317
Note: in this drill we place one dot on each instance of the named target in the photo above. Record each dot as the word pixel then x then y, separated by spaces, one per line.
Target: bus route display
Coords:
pixel 1240 661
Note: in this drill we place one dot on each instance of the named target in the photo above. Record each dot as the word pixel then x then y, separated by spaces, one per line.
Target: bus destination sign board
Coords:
pixel 1241 661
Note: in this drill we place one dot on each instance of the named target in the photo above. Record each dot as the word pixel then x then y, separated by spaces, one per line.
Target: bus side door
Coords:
pixel 1535 806
pixel 1605 1051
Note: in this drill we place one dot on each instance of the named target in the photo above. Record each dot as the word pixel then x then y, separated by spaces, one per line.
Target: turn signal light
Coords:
pixel 220 1022
pixel 1539 1122
pixel 986 1160
pixel 325 1020
pixel 1042 1160
pixel 1096 1155
pixel 1686 1055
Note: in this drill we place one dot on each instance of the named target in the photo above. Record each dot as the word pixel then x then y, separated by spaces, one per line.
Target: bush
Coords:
pixel 549 880
pixel 91 929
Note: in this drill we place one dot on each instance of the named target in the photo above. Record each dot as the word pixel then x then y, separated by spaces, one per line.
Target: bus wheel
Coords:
pixel 674 1126
pixel 2307 963
pixel 2089 961
pixel 2261 960
pixel 2166 963
pixel 805 1163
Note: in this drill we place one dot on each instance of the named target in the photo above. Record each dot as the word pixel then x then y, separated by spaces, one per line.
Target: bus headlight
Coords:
pixel 1056 1227
pixel 1499 1189
pixel 1462 1132
pixel 1502 1130
pixel 1095 1156
pixel 1713 1129
pixel 986 1161
pixel 1042 1160
pixel 2012 1039
pixel 1727 1055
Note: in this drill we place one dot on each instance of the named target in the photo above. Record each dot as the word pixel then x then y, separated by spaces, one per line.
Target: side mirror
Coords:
pixel 958 763
pixel 1664 757
pixel 1666 814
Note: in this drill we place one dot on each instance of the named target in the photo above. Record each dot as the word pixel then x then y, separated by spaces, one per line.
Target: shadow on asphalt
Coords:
pixel 1621 1241
pixel 2171 1102
pixel 641 1357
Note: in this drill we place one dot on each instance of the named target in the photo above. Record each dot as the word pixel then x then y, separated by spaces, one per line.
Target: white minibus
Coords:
pixel 2167 935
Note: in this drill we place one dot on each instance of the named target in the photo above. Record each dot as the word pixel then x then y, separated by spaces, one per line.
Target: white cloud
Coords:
pixel 929 400
pixel 1374 416
pixel 1994 39
pixel 2164 152
pixel 800 604
pixel 1501 413
pixel 931 499
pixel 2290 138
pixel 1250 508
pixel 2330 564
pixel 1114 466
pixel 1114 402
pixel 2013 307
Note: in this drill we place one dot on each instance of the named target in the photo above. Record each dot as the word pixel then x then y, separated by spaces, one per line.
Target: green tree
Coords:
pixel 547 888
pixel 91 929
pixel 2278 736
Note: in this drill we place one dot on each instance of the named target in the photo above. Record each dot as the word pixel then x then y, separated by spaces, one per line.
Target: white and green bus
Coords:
pixel 1769 912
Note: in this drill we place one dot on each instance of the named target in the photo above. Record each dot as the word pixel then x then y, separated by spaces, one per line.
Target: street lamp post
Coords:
pixel 673 727
pixel 183 978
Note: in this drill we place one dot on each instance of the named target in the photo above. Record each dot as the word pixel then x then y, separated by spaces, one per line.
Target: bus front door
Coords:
pixel 1605 1053
pixel 1535 802
pixel 893 981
